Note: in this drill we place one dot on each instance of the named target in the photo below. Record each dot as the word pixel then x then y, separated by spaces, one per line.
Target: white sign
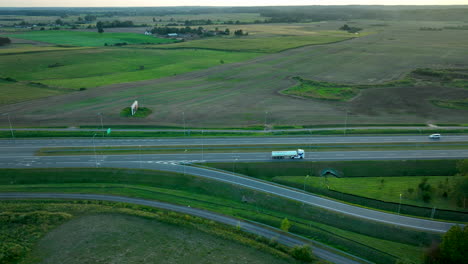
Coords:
pixel 134 107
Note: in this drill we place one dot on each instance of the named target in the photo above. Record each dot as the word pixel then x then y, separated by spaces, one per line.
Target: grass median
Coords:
pixel 186 149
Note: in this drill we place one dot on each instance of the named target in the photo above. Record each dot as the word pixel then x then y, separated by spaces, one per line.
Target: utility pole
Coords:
pixel 202 147
pixel 140 154
pixel 11 127
pixel 95 156
pixel 307 176
pixel 183 118
pixel 399 205
pixel 346 123
pixel 265 123
pixel 102 125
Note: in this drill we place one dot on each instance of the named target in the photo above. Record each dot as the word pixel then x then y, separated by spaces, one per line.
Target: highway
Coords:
pixel 188 141
pixel 19 154
pixel 289 240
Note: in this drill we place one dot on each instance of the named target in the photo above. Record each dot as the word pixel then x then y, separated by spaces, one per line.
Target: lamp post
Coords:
pixel 265 123
pixel 307 176
pixel 139 151
pixel 11 127
pixel 346 123
pixel 183 118
pixel 399 205
pixel 102 125
pixel 202 147
pixel 95 156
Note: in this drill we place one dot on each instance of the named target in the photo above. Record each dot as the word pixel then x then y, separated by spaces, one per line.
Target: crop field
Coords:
pixel 79 38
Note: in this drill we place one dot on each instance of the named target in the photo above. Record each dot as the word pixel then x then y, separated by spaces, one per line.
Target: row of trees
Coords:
pixel 4 41
pixel 189 30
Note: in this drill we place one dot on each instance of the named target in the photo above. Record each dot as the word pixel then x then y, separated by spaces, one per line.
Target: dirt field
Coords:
pixel 246 93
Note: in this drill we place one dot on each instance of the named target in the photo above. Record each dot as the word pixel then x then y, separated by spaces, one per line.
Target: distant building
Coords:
pixel 172 35
pixel 148 33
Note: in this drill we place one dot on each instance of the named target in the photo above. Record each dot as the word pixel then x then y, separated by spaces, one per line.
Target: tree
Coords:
pixel 4 41
pixel 59 22
pixel 285 225
pixel 452 250
pixel 100 27
pixel 227 32
pixel 462 167
pixel 303 253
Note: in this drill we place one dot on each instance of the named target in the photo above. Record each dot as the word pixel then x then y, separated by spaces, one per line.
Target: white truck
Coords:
pixel 288 154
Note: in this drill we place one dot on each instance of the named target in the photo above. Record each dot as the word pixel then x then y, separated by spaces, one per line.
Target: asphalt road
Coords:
pixel 172 163
pixel 304 140
pixel 289 240
pixel 19 155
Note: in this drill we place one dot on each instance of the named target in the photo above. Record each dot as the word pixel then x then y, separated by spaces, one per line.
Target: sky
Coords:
pixel 124 3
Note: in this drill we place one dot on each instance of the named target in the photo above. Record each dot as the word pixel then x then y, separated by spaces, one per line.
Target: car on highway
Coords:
pixel 434 136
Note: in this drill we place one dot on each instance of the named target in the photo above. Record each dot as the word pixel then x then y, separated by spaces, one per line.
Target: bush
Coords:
pixel 285 225
pixel 302 253
pixel 4 41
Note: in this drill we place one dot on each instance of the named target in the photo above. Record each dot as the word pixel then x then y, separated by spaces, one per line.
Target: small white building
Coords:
pixel 172 35
pixel 148 33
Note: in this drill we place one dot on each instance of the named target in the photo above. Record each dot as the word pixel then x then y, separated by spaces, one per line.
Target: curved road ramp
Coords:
pixel 290 240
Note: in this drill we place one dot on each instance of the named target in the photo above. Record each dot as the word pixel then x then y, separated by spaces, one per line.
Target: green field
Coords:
pixel 260 44
pixel 88 39
pixel 95 67
pixel 388 188
pixel 13 92
pixel 353 235
pixel 24 224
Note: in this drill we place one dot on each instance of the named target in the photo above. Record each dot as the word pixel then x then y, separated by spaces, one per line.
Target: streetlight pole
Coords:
pixel 307 176
pixel 183 118
pixel 203 157
pixel 399 205
pixel 346 123
pixel 102 125
pixel 11 127
pixel 95 156
pixel 265 123
pixel 139 151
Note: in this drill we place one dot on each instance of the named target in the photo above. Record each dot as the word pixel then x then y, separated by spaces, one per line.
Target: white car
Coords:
pixel 434 136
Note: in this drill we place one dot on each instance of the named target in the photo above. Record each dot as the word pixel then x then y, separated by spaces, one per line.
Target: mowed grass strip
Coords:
pixel 80 38
pixel 388 188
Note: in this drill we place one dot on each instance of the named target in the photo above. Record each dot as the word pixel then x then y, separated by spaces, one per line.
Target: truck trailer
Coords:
pixel 288 154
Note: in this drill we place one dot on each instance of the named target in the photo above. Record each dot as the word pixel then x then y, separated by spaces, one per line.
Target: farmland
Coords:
pixel 77 38
pixel 240 91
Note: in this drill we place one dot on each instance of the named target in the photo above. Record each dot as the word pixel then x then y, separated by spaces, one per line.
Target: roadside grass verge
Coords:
pixel 363 174
pixel 81 38
pixel 185 149
pixel 360 237
pixel 26 221
pixel 116 134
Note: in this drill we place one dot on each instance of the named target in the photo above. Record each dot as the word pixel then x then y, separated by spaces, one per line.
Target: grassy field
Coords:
pixel 97 238
pixel 78 68
pixel 260 44
pixel 79 38
pixel 13 92
pixel 388 188
pixel 366 239
pixel 27 221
